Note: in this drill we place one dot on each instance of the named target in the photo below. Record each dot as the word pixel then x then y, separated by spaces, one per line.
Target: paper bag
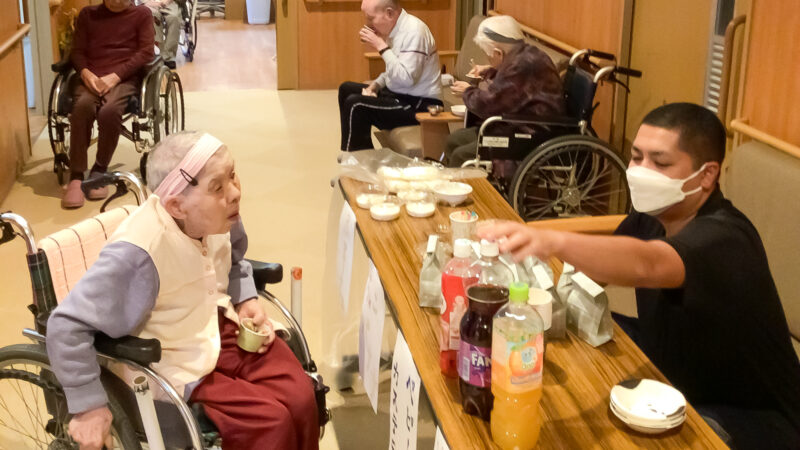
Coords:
pixel 588 315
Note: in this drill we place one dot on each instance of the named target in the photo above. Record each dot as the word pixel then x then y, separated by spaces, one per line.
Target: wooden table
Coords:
pixel 577 377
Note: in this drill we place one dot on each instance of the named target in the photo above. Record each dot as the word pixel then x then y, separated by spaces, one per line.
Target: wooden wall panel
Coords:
pixel 14 137
pixel 329 51
pixel 596 24
pixel 771 96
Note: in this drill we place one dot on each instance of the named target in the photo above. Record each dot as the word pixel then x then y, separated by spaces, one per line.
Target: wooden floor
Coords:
pixel 231 55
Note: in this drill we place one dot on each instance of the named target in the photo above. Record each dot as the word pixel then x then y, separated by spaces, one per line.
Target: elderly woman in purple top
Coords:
pixel 521 79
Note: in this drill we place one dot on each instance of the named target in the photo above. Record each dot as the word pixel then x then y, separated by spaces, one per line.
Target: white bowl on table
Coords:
pixel 459 110
pixel 453 193
pixel 648 406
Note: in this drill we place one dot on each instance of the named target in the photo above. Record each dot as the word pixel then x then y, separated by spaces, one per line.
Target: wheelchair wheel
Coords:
pixel 58 132
pixel 33 409
pixel 168 107
pixel 570 176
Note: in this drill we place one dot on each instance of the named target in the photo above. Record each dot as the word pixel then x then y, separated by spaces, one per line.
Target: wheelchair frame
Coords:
pixel 584 138
pixel 140 351
pixel 157 109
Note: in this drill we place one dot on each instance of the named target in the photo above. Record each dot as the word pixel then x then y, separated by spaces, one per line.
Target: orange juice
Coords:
pixel 517 361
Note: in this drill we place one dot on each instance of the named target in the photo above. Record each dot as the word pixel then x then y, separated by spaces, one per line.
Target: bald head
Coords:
pixel 381 15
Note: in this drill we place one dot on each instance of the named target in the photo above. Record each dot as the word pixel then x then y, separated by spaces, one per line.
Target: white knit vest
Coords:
pixel 193 281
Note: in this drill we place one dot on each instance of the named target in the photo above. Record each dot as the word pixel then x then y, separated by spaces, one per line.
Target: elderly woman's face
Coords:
pixel 212 206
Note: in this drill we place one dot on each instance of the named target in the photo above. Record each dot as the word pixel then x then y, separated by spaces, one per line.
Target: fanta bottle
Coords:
pixel 517 361
pixel 453 307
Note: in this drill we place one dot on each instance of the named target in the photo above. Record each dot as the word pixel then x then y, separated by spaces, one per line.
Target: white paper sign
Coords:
pixel 439 443
pixel 404 407
pixel 344 254
pixel 370 333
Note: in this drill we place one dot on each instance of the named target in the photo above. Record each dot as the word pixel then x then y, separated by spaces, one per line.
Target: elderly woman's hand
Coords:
pixel 478 70
pixel 250 309
pixel 459 87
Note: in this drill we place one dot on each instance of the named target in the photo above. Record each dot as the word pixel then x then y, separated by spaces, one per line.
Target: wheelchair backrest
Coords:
pixel 71 251
pixel 579 89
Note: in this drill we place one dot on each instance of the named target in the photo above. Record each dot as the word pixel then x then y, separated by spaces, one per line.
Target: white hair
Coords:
pixel 505 26
pixel 168 153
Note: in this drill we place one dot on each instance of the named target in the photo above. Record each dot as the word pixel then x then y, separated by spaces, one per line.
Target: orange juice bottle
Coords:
pixel 517 361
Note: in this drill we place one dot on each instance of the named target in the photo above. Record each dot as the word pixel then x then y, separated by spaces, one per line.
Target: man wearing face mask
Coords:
pixel 408 86
pixel 709 314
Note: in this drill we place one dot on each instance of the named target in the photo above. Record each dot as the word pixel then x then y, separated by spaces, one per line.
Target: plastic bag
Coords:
pixel 364 166
pixel 588 315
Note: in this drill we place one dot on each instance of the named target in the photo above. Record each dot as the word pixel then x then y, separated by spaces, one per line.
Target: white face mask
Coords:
pixel 653 192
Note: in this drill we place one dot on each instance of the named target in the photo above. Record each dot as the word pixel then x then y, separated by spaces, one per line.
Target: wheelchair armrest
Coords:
pixel 138 350
pixel 559 121
pixel 266 273
pixel 62 66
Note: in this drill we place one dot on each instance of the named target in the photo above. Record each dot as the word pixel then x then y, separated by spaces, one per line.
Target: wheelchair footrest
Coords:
pixel 138 350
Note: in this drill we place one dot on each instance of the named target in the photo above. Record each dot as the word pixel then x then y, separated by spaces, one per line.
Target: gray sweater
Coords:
pixel 114 297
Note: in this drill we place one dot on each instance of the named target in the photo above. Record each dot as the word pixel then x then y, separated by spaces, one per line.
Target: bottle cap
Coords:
pixel 463 248
pixel 518 292
pixel 489 248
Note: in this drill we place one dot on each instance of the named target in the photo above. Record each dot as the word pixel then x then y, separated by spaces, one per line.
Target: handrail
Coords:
pixel 740 125
pixel 727 57
pixel 22 30
pixel 553 42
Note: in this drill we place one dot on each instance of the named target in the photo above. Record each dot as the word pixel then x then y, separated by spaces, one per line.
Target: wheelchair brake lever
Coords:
pixel 121 189
pixel 617 80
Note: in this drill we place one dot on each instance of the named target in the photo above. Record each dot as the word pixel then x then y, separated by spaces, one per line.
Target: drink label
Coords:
pixel 517 362
pixel 475 364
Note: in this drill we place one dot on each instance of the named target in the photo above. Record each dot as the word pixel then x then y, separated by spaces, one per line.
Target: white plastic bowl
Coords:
pixel 452 193
pixel 459 110
pixel 648 406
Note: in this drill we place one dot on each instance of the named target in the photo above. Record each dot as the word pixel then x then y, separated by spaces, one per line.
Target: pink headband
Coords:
pixel 184 174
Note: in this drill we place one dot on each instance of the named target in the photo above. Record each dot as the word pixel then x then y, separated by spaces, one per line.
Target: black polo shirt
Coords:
pixel 722 337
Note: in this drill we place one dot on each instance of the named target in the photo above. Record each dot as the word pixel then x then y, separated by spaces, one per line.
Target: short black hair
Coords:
pixel 701 134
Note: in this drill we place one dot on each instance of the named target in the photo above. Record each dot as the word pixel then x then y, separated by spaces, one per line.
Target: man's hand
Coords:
pixel 92 81
pixel 370 91
pixel 90 429
pixel 478 70
pixel 458 87
pixel 250 309
pixel 109 81
pixel 521 240
pixel 370 38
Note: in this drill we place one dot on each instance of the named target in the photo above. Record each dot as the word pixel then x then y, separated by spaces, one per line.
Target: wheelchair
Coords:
pixel 33 407
pixel 154 112
pixel 187 42
pixel 553 167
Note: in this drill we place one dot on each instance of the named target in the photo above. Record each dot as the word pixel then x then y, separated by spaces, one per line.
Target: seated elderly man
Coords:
pixel 521 79
pixel 170 13
pixel 174 270
pixel 408 86
pixel 709 314
pixel 113 41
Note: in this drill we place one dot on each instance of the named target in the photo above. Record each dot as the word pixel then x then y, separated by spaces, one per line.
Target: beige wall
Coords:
pixel 15 141
pixel 670 46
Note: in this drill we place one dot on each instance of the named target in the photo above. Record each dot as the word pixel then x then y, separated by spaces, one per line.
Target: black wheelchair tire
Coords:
pixel 143 167
pixel 35 354
pixel 558 146
pixel 60 154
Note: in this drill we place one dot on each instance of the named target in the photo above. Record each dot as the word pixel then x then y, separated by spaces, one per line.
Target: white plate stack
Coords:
pixel 648 406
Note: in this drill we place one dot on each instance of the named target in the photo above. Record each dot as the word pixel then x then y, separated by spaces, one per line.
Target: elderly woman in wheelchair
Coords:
pixel 111 76
pixel 174 271
pixel 521 79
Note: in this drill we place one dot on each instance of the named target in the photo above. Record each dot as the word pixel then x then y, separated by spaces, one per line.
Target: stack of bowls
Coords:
pixel 648 406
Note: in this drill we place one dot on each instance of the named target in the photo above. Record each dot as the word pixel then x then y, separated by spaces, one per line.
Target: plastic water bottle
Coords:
pixel 488 270
pixel 517 361
pixel 453 307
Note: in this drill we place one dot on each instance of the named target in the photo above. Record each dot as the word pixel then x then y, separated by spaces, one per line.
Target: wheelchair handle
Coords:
pixel 9 222
pixel 628 71
pixel 601 55
pixel 126 179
